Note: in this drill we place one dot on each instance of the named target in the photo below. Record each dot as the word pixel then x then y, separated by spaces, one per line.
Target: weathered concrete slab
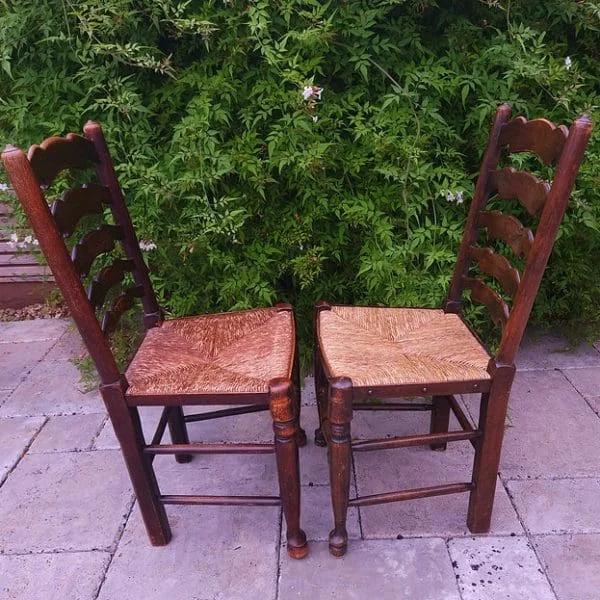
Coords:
pixel 571 562
pixel 308 395
pixel 552 350
pixel 558 506
pixel 551 430
pixel 4 394
pixel 585 380
pixel 500 568
pixel 15 437
pixel 18 359
pixel 69 346
pixel 52 388
pixel 383 569
pixel 407 468
pixel 317 514
pixel 32 331
pixel 594 403
pixel 216 552
pixel 72 433
pixel 218 474
pixel 74 575
pixel 61 502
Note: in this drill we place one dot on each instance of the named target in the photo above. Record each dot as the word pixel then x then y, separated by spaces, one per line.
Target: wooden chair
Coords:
pixel 366 353
pixel 244 358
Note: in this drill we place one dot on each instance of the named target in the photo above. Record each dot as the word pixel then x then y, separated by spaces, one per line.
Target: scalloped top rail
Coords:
pixel 55 154
pixel 540 136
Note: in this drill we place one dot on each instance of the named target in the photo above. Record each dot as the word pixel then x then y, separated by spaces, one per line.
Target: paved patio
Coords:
pixel 70 529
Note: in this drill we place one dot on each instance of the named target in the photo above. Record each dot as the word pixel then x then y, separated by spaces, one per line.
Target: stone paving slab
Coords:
pixel 558 506
pixel 73 433
pixel 416 569
pixel 52 388
pixel 18 359
pixel 498 568
pixel 316 515
pixel 69 576
pixel 15 436
pixel 549 430
pixel 69 346
pixel 216 552
pixel 4 394
pixel 69 501
pixel 571 562
pixel 551 350
pixel 585 380
pixel 420 467
pixel 33 331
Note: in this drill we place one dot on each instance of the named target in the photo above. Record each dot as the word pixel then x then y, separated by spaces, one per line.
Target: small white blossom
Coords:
pixel 459 197
pixel 28 239
pixel 315 118
pixel 14 238
pixel 147 245
pixel 568 63
pixel 4 187
pixel 35 242
pixel 312 91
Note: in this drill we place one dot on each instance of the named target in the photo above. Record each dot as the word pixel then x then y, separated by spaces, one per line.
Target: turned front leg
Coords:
pixel 340 457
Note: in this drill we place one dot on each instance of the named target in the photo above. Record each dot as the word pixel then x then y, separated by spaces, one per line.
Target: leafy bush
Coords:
pixel 298 151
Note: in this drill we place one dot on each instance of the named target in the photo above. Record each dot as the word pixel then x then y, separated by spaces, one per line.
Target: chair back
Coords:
pixel 32 176
pixel 510 295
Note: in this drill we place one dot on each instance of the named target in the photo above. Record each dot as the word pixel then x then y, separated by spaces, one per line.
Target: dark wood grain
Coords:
pixel 485 295
pixel 498 267
pixel 55 154
pixel 540 136
pixel 119 307
pixel 508 229
pixel 107 278
pixel 92 244
pixel 525 187
pixel 76 203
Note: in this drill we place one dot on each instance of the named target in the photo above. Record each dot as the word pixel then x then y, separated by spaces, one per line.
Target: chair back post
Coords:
pixel 453 303
pixel 552 214
pixel 27 188
pixel 108 177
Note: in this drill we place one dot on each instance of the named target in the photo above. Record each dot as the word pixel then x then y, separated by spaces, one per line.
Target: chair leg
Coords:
pixel 128 429
pixel 285 426
pixel 178 431
pixel 440 419
pixel 321 395
pixel 340 459
pixel 494 406
pixel 298 398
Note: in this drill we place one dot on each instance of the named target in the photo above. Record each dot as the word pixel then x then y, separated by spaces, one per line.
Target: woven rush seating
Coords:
pixel 400 346
pixel 368 358
pixel 246 359
pixel 214 354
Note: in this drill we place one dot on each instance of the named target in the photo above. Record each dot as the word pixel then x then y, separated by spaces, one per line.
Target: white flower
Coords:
pixel 312 91
pixel 147 245
pixel 315 118
pixel 3 187
pixel 459 197
pixel 14 238
pixel 450 196
pixel 35 242
pixel 28 239
pixel 568 63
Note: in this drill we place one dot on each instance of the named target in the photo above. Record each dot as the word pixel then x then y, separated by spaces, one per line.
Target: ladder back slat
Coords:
pixel 540 136
pixel 530 191
pixel 498 267
pixel 77 203
pixel 55 154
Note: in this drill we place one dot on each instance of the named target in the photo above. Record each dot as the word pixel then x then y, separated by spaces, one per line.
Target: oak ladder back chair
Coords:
pixel 366 353
pixel 247 358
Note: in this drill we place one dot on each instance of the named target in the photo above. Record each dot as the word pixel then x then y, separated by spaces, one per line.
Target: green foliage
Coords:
pixel 254 193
